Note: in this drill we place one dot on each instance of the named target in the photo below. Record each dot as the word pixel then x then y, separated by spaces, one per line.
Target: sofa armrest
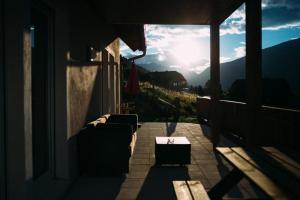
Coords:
pixel 131 119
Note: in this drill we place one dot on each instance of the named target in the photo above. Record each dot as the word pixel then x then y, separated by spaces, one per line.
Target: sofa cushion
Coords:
pixel 98 122
pixel 120 134
pixel 131 119
pixel 107 143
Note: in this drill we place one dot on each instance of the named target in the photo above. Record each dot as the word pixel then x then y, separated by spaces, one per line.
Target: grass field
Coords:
pixel 154 103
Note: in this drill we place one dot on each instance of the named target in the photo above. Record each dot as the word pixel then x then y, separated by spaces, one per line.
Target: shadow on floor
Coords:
pixel 170 127
pixel 206 130
pixel 90 188
pixel 158 183
pixel 224 170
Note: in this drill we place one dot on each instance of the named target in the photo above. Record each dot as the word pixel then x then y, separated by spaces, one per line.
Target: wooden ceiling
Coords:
pixel 202 12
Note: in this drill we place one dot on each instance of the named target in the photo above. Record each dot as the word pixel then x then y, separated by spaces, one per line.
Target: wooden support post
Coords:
pixel 253 67
pixel 105 82
pixel 215 80
pixel 2 108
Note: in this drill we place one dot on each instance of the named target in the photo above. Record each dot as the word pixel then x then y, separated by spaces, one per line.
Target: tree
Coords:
pixel 206 88
pixel 200 90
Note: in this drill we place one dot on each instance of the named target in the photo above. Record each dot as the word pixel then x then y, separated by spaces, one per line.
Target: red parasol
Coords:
pixel 132 86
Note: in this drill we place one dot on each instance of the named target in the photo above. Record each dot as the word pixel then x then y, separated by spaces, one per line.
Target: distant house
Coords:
pixel 168 79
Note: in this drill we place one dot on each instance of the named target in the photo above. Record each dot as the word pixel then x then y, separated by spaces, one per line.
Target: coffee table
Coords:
pixel 172 150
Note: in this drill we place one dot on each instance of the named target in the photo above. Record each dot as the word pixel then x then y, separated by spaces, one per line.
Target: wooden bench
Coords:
pixel 275 173
pixel 190 190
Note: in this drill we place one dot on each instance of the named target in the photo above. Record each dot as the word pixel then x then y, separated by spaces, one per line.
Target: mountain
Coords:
pixel 168 79
pixel 153 63
pixel 126 65
pixel 279 61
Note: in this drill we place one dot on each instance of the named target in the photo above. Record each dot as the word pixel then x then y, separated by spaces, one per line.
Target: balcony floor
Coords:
pixel 147 181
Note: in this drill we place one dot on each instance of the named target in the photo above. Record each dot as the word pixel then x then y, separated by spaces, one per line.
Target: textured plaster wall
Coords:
pixel 91 89
pixel 80 88
pixel 89 92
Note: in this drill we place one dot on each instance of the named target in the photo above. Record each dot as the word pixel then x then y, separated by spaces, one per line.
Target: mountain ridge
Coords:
pixel 275 62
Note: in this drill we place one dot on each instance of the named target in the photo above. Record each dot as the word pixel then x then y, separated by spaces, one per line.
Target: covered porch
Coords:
pixel 84 84
pixel 149 181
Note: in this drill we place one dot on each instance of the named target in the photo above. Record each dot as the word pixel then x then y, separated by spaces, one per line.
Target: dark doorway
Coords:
pixel 42 89
pixel 2 108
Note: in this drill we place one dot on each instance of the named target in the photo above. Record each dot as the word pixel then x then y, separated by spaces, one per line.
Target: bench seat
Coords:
pixel 273 172
pixel 190 190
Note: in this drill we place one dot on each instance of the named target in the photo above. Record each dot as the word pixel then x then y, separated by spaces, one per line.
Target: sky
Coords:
pixel 188 46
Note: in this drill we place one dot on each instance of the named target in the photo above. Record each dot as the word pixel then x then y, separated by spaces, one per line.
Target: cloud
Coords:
pixel 191 31
pixel 283 26
pixel 276 15
pixel 224 59
pixel 279 14
pixel 294 38
pixel 240 51
pixel 175 66
pixel 161 57
pixel 235 23
pixel 199 68
pixel 289 4
pixel 162 38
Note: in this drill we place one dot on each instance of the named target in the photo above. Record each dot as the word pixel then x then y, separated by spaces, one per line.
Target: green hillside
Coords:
pixel 155 103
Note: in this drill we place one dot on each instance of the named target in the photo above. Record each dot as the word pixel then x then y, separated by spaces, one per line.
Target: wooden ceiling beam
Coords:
pixel 192 12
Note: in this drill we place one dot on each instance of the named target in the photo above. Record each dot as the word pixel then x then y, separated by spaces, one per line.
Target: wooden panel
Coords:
pixel 274 126
pixel 279 127
pixel 233 117
pixel 182 190
pixel 253 174
pixel 215 82
pixel 166 12
pixel 288 163
pixel 274 170
pixel 253 68
pixel 190 190
pixel 2 108
pixel 197 190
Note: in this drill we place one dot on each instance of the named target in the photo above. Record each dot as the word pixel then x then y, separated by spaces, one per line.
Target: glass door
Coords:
pixel 42 89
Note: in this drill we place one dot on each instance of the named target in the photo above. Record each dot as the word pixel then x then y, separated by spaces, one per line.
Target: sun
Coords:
pixel 187 51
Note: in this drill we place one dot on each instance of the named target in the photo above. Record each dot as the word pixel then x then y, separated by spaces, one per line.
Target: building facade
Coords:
pixel 60 67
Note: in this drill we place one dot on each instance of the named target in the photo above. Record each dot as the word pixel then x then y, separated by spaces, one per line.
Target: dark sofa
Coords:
pixel 106 144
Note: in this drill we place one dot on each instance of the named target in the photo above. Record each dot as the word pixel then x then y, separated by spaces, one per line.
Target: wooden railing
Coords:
pixel 233 117
pixel 278 126
pixel 273 126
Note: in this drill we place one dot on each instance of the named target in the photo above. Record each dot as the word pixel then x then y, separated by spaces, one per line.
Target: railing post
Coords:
pixel 215 81
pixel 253 68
